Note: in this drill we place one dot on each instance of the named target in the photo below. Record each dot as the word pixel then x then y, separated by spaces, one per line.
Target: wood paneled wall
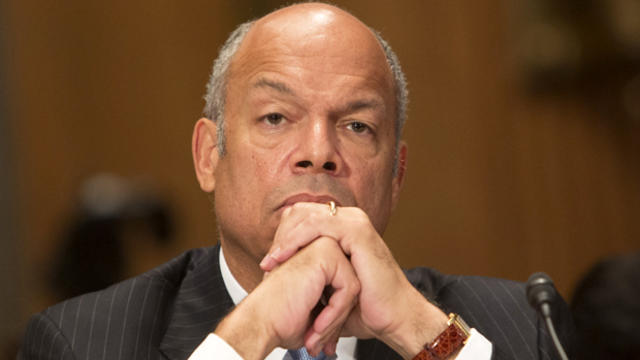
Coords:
pixel 500 183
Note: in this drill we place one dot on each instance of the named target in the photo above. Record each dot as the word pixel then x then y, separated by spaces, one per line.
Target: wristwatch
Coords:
pixel 448 342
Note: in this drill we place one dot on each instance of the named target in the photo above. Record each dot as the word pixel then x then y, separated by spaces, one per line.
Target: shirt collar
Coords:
pixel 236 292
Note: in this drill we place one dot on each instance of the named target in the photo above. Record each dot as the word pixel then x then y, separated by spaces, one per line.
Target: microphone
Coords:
pixel 540 293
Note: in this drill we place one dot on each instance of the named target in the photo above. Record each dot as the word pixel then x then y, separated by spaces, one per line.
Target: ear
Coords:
pixel 398 180
pixel 205 153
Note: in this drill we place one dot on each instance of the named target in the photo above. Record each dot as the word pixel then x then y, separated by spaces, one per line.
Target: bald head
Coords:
pixel 309 25
pixel 312 35
pixel 316 31
pixel 309 19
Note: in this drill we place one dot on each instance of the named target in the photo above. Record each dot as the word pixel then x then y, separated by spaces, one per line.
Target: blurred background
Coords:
pixel 524 137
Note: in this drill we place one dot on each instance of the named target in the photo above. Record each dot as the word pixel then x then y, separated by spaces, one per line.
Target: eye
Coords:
pixel 273 119
pixel 358 127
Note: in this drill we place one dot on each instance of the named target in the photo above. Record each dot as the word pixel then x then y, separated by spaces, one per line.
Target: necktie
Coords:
pixel 302 354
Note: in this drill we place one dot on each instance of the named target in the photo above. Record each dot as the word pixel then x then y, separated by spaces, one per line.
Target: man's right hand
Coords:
pixel 279 311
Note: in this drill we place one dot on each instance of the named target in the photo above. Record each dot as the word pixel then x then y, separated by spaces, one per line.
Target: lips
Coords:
pixel 321 199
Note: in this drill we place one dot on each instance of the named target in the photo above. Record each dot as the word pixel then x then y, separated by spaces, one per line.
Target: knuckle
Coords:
pixel 359 212
pixel 311 216
pixel 325 243
pixel 296 207
pixel 355 288
pixel 360 216
pixel 287 212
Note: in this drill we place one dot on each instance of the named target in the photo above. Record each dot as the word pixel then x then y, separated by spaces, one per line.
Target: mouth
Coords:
pixel 320 199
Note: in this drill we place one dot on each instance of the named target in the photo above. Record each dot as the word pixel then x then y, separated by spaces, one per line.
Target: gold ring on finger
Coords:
pixel 333 209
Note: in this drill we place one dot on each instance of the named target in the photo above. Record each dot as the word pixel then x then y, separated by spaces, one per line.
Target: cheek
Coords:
pixel 255 159
pixel 269 164
pixel 372 188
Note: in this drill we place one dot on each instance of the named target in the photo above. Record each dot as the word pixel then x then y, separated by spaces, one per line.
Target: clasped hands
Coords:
pixel 369 294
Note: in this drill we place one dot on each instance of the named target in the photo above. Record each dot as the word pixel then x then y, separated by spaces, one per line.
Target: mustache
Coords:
pixel 315 184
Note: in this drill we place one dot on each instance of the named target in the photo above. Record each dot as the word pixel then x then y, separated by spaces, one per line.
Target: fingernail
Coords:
pixel 314 337
pixel 264 261
pixel 269 259
pixel 274 254
pixel 333 348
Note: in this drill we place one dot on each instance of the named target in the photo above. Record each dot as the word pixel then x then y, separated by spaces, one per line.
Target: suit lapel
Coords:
pixel 199 304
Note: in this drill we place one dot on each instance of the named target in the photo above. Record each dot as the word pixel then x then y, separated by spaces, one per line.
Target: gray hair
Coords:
pixel 216 95
pixel 400 89
pixel 217 86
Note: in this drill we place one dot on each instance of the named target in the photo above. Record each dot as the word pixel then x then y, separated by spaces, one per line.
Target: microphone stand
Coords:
pixel 552 331
pixel 540 293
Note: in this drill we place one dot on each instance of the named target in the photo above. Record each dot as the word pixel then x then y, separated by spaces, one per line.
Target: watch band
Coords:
pixel 448 342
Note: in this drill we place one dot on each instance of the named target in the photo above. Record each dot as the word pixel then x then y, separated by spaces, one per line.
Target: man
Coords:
pixel 301 150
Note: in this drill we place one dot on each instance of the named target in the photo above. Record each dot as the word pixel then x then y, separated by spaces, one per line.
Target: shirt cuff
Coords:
pixel 476 348
pixel 213 347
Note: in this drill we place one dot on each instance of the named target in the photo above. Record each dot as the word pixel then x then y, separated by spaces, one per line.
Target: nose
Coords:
pixel 317 149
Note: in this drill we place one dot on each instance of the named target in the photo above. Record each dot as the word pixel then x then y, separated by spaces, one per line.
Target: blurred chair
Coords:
pixel 606 310
pixel 111 210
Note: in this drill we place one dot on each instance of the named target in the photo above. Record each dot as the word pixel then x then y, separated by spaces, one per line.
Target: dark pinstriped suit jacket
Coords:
pixel 167 312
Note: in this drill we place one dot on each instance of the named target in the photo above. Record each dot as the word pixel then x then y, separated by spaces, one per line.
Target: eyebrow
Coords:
pixel 354 106
pixel 276 85
pixel 363 104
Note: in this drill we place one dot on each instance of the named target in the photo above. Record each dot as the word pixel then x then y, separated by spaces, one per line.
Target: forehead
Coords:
pixel 318 42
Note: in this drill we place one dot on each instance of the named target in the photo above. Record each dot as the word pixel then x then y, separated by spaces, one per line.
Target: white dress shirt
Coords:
pixel 214 347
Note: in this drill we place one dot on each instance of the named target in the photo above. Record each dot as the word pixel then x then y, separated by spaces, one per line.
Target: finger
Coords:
pixel 338 308
pixel 330 347
pixel 328 324
pixel 339 275
pixel 274 256
pixel 314 342
pixel 300 225
pixel 269 262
